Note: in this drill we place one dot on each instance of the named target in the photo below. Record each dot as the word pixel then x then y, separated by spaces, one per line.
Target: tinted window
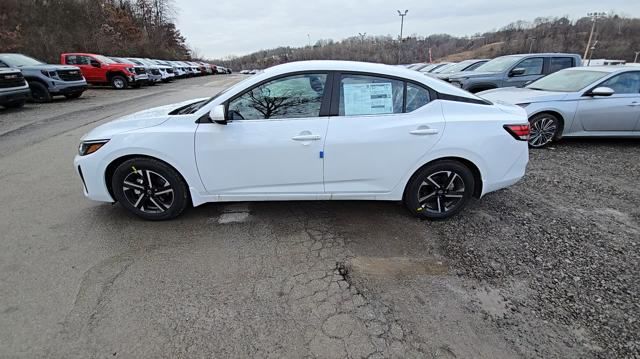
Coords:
pixel 77 60
pixel 369 95
pixel 296 96
pixel 628 82
pixel 532 66
pixel 417 97
pixel 559 63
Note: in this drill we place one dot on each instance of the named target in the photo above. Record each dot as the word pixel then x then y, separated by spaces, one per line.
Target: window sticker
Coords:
pixel 367 99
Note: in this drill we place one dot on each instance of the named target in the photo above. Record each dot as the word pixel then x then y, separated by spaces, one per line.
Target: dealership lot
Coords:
pixel 546 268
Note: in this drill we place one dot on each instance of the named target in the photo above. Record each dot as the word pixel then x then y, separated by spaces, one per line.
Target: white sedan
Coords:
pixel 314 130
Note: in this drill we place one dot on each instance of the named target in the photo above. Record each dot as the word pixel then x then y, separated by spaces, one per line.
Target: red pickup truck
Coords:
pixel 100 70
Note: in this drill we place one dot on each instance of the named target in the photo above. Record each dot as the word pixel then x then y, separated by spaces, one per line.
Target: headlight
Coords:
pixel 132 70
pixel 89 147
pixel 51 74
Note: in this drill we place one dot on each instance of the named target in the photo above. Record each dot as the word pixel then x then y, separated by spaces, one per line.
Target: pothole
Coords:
pixel 397 267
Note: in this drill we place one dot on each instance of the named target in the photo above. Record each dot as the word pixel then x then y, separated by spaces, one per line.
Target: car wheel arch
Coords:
pixel 111 167
pixel 561 120
pixel 477 175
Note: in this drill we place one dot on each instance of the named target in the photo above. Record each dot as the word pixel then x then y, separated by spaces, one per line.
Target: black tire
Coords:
pixel 544 129
pixel 14 104
pixel 39 92
pixel 118 82
pixel 73 95
pixel 152 202
pixel 456 185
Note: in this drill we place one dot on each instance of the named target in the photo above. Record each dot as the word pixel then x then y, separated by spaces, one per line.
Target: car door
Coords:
pixel 378 136
pixel 89 71
pixel 272 146
pixel 533 70
pixel 618 112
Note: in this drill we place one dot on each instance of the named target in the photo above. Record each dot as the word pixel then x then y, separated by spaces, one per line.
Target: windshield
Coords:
pixel 499 64
pixel 430 67
pixel 567 81
pixel 443 69
pixel 17 60
pixel 104 59
pixel 136 62
pixel 457 67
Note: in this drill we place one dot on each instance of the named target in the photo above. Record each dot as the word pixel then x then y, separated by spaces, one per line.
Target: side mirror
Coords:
pixel 519 71
pixel 95 63
pixel 218 115
pixel 601 91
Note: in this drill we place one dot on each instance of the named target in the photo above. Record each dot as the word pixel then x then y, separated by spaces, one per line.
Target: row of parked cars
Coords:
pixel 24 78
pixel 562 97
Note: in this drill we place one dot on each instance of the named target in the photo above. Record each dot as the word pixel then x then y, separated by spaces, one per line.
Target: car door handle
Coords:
pixel 634 104
pixel 306 138
pixel 424 131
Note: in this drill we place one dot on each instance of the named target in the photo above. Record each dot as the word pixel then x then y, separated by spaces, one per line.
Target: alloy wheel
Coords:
pixel 543 131
pixel 440 192
pixel 118 83
pixel 148 191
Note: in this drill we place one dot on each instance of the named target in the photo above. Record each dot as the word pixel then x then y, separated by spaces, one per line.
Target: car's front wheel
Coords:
pixel 543 129
pixel 150 189
pixel 439 190
pixel 119 82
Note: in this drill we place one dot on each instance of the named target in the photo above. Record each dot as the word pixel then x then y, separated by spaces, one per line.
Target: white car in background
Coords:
pixel 313 130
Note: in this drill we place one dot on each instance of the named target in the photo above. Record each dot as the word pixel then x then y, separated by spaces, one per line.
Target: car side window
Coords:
pixel 559 63
pixel 297 96
pixel 71 60
pixel 362 95
pixel 417 96
pixel 532 66
pixel 625 83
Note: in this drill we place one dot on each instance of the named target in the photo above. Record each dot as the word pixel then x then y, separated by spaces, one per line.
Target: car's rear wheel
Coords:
pixel 544 129
pixel 118 82
pixel 150 189
pixel 439 190
pixel 39 92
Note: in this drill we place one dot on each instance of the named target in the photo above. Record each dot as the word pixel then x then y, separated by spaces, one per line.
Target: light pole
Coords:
pixel 595 43
pixel 594 18
pixel 635 60
pixel 309 39
pixel 402 15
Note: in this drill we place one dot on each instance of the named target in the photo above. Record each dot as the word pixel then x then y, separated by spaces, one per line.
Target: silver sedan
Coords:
pixel 601 101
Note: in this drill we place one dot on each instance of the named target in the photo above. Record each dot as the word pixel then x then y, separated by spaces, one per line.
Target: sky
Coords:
pixel 218 29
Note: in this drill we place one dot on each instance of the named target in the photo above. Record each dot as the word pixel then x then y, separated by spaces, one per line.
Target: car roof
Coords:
pixel 367 67
pixel 609 69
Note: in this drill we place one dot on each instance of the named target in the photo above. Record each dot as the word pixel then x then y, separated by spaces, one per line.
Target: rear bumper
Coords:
pixel 15 95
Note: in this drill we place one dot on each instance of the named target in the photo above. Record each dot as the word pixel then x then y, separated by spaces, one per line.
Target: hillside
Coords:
pixel 618 37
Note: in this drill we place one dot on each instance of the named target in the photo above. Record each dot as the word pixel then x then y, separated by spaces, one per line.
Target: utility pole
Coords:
pixel 595 43
pixel 402 15
pixel 635 60
pixel 594 18
pixel 309 39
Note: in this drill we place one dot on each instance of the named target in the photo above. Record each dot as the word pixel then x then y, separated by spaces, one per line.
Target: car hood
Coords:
pixel 473 74
pixel 135 121
pixel 515 95
pixel 49 67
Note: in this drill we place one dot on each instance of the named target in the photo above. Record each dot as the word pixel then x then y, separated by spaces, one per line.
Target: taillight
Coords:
pixel 519 132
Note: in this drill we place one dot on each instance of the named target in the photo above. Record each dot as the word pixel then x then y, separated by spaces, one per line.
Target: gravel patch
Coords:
pixel 563 249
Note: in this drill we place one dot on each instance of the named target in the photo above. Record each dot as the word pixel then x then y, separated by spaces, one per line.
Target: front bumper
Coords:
pixel 91 173
pixel 21 94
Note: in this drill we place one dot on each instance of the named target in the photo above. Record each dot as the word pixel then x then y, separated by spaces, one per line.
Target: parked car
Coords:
pixel 462 66
pixel 599 101
pixel 153 70
pixel 381 127
pixel 514 71
pixel 101 70
pixel 245 72
pixel 166 72
pixel 178 69
pixel 221 70
pixel 46 81
pixel 140 70
pixel 14 89
pixel 427 68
